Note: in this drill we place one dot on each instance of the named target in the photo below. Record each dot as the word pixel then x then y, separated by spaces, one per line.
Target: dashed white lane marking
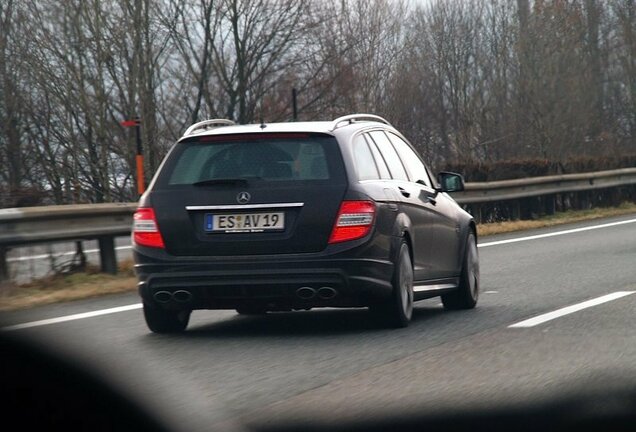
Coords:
pixel 491 292
pixel 72 317
pixel 557 233
pixel 570 309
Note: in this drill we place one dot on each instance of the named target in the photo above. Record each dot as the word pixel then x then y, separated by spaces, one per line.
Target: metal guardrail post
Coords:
pixel 4 268
pixel 79 253
pixel 107 255
pixel 477 213
pixel 516 210
pixel 550 204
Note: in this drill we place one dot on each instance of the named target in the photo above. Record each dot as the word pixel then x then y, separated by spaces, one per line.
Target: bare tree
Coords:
pixel 252 49
pixel 593 15
pixel 479 80
pixel 625 12
pixel 192 33
pixel 11 117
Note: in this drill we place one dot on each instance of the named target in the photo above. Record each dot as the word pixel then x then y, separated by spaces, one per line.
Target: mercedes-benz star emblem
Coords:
pixel 243 197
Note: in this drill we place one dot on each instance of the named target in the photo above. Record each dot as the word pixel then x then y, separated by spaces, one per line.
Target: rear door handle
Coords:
pixel 431 199
pixel 404 192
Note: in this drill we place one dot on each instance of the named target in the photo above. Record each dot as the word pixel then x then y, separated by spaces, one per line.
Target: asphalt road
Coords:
pixel 335 365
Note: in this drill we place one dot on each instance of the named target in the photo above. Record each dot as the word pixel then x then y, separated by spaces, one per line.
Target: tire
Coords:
pixel 399 311
pixel 166 321
pixel 251 310
pixel 467 294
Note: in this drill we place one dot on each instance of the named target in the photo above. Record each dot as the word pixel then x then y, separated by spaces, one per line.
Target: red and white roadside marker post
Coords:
pixel 136 123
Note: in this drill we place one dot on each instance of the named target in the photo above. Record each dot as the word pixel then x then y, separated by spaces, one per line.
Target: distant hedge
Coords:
pixel 523 168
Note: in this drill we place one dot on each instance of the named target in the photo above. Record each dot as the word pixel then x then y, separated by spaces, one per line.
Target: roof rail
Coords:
pixel 208 124
pixel 358 117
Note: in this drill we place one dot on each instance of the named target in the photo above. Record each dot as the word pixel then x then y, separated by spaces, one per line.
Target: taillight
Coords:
pixel 145 229
pixel 354 221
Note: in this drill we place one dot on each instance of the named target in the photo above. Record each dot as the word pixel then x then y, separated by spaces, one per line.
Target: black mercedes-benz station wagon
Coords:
pixel 293 216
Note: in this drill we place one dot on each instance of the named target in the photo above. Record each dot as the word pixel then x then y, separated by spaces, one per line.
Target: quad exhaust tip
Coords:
pixel 326 293
pixel 323 293
pixel 306 293
pixel 162 296
pixel 180 296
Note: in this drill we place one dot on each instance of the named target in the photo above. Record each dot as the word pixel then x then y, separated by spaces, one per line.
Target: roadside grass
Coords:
pixel 91 283
pixel 67 287
pixel 559 218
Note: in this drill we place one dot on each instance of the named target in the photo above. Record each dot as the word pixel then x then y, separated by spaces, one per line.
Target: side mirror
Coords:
pixel 450 182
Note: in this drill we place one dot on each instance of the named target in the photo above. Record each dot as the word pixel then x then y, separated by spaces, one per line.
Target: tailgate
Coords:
pixel 262 194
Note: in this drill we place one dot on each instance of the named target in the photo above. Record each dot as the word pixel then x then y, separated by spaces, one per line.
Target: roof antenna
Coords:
pixel 260 109
pixel 294 105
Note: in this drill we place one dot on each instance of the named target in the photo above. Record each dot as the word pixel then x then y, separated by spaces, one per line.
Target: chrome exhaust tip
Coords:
pixel 306 293
pixel 326 293
pixel 182 296
pixel 162 296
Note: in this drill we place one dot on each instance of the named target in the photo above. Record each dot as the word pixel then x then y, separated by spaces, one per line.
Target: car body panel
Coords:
pixel 267 269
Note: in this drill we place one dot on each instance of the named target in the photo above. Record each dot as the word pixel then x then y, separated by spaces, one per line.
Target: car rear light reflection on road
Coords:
pixel 145 229
pixel 354 221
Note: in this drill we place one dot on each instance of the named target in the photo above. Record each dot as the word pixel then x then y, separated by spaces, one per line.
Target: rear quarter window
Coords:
pixel 365 163
pixel 390 155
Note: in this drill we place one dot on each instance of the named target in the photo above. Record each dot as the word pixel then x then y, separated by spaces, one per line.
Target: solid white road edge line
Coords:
pixel 495 243
pixel 557 233
pixel 72 317
pixel 139 305
pixel 540 319
pixel 69 253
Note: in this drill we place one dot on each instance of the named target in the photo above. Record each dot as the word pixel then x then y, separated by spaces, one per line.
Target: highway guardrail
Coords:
pixel 519 198
pixel 104 222
pixel 50 224
pixel 502 190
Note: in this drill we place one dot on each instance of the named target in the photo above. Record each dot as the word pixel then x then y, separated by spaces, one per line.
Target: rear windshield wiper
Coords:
pixel 225 181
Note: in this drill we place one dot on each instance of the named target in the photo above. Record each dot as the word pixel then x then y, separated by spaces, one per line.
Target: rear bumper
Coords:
pixel 268 282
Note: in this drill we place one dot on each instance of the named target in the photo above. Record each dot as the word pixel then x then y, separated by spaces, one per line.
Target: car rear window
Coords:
pixel 257 157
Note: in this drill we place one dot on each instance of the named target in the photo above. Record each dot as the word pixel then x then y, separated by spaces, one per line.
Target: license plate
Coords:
pixel 244 222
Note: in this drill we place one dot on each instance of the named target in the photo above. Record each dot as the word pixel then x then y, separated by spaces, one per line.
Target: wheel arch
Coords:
pixel 406 237
pixel 401 232
pixel 466 229
pixel 473 227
